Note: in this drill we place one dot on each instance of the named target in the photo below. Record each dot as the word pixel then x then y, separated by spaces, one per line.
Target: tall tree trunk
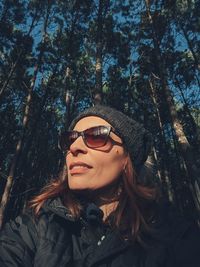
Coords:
pixel 7 189
pixel 97 96
pixel 37 118
pixel 10 74
pixel 184 146
pixel 30 135
pixel 163 173
pixel 188 112
pixel 14 163
pixel 68 71
pixel 15 64
pixel 197 79
pixel 196 61
pixel 188 198
pixel 164 177
pixel 194 54
pixel 67 98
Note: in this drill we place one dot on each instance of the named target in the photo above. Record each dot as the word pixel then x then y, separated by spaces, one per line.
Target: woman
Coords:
pixel 101 214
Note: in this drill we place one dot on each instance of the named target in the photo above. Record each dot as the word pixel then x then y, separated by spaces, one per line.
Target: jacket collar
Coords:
pixel 111 244
pixel 56 206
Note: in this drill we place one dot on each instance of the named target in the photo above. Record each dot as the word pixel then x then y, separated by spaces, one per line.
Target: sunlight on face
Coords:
pixel 93 169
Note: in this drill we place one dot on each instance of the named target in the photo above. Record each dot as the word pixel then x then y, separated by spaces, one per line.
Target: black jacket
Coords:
pixel 54 239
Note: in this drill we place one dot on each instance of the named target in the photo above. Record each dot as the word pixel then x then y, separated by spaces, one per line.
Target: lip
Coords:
pixel 79 167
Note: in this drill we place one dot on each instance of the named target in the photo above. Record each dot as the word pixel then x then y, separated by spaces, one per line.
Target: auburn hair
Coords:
pixel 130 216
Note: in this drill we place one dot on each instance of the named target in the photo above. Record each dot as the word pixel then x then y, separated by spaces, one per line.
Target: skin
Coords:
pixel 104 165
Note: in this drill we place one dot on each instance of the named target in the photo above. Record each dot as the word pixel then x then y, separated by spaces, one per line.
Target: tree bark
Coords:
pixel 188 112
pixel 97 96
pixel 6 82
pixel 7 189
pixel 14 163
pixel 30 135
pixel 196 61
pixel 67 98
pixel 184 146
pixel 68 71
pixel 163 173
pixel 15 64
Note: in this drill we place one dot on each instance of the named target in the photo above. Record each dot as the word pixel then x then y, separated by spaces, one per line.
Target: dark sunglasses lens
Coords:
pixel 66 139
pixel 96 136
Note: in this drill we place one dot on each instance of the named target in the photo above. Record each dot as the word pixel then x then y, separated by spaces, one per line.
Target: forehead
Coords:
pixel 88 122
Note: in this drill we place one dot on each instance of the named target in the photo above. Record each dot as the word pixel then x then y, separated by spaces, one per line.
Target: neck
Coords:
pixel 107 200
pixel 108 208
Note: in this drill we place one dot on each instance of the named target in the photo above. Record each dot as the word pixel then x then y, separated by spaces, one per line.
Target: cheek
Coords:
pixel 107 167
pixel 111 165
pixel 66 162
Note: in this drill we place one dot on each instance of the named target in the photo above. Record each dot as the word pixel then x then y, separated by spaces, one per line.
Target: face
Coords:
pixel 92 169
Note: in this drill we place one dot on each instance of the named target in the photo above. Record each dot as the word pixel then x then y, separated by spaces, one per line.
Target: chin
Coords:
pixel 78 183
pixel 77 187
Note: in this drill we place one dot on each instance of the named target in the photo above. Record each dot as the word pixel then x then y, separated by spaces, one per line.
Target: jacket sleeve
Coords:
pixel 18 242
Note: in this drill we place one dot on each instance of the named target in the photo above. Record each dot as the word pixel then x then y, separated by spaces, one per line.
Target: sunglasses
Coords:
pixel 93 137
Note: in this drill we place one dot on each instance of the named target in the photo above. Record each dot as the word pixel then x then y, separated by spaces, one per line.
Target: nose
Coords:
pixel 78 146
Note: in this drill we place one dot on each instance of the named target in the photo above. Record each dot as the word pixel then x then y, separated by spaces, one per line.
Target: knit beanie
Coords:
pixel 137 140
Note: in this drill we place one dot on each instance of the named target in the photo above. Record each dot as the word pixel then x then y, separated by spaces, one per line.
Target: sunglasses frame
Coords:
pixel 65 147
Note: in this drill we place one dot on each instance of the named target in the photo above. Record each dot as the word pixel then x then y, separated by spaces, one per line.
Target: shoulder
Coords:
pixel 18 242
pixel 31 238
pixel 28 229
pixel 179 235
pixel 22 230
pixel 170 224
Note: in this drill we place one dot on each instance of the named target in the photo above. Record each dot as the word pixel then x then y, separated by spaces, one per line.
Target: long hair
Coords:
pixel 134 210
pixel 131 214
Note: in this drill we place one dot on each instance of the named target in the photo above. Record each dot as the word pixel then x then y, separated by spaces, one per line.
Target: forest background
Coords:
pixel 59 57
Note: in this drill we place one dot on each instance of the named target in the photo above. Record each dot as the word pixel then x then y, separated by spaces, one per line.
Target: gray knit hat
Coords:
pixel 137 140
